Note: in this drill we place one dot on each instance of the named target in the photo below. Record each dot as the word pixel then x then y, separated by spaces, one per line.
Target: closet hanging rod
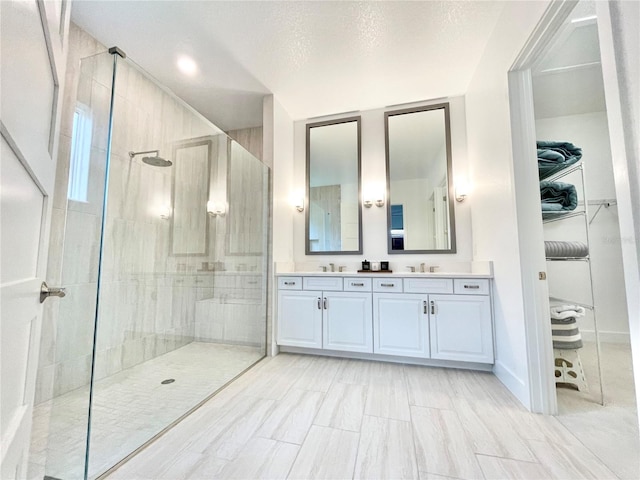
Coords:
pixel 606 202
pixel 601 203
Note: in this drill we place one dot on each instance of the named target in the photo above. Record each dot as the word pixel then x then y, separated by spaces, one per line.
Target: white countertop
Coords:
pixel 394 274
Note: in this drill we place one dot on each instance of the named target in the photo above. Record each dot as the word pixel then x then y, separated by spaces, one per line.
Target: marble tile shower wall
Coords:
pixel 67 327
pixel 148 298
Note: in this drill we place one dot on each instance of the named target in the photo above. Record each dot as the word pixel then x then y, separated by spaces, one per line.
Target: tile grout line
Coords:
pixel 411 425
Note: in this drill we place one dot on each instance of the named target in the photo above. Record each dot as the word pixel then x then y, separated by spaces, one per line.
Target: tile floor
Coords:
pixel 129 408
pixel 302 417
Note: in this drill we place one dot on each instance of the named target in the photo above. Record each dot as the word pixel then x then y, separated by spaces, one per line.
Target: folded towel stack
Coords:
pixel 558 196
pixel 555 249
pixel 564 326
pixel 556 156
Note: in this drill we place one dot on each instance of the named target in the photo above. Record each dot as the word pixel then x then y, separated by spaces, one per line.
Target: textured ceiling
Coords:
pixel 318 58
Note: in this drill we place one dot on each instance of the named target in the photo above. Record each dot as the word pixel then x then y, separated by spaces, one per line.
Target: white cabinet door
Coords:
pixel 400 324
pixel 460 328
pixel 300 318
pixel 347 322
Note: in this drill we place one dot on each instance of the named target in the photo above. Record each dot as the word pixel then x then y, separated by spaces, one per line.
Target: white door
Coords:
pixel 300 318
pixel 401 324
pixel 347 322
pixel 33 55
pixel 460 328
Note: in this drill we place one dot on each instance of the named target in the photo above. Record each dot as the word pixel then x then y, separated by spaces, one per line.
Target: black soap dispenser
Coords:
pixel 366 266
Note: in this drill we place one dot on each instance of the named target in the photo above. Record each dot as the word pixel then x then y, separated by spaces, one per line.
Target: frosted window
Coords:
pixel 80 154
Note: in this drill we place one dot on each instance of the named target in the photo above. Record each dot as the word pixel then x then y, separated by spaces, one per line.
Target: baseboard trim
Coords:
pixel 513 383
pixel 388 358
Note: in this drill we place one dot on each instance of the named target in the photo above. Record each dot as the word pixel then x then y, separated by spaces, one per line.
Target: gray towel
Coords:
pixel 558 196
pixel 554 249
pixel 565 333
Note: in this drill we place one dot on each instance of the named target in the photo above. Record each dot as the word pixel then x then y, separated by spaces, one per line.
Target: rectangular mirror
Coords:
pixel 420 216
pixel 190 193
pixel 333 213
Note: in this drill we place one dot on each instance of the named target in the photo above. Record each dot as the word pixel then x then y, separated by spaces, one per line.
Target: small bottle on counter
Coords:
pixel 366 265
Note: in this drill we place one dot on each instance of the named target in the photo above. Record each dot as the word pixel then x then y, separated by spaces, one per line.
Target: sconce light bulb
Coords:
pixel 367 203
pixel 462 190
pixel 165 212
pixel 216 209
pixel 380 202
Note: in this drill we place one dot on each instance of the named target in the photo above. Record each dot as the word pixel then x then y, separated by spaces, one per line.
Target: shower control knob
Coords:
pixel 46 291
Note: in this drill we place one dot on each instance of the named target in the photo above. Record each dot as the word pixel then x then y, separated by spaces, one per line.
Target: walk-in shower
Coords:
pixel 165 303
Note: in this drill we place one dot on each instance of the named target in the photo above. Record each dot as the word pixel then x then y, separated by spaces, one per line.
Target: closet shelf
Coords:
pixel 548 217
pixel 563 173
pixel 568 259
pixel 571 302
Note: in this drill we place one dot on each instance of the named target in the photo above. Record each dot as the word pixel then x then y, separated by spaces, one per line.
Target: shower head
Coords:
pixel 154 161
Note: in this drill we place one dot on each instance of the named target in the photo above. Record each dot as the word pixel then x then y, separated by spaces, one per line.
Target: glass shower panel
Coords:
pixel 59 434
pixel 182 303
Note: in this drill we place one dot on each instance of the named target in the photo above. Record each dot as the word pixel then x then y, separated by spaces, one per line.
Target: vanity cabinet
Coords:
pixel 299 318
pixel 460 328
pixel 347 322
pixel 427 318
pixel 329 319
pixel 401 324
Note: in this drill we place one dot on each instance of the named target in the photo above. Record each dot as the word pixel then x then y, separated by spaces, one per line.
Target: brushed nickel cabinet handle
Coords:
pixel 353 284
pixel 387 284
pixel 289 283
pixel 433 307
pixel 474 287
pixel 424 307
pixel 324 303
pixel 319 307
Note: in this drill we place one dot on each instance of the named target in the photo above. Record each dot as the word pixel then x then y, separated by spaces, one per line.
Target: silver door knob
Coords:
pixel 46 292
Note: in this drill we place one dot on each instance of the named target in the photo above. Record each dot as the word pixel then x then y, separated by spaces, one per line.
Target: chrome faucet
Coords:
pixel 342 268
pixel 432 268
pixel 332 267
pixel 422 267
pixel 412 269
pixel 323 267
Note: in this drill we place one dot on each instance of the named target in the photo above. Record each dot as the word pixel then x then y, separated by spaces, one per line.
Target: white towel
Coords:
pixel 560 312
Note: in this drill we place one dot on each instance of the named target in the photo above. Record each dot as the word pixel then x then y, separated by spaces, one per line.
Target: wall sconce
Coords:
pixel 216 209
pixel 373 191
pixel 297 201
pixel 462 190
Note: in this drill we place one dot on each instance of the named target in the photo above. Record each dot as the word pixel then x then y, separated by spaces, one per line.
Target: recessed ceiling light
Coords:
pixel 187 65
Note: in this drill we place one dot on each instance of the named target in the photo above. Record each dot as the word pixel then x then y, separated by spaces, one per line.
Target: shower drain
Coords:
pixel 167 381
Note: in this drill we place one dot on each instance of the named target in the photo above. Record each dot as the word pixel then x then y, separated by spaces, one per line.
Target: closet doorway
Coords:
pixel 560 95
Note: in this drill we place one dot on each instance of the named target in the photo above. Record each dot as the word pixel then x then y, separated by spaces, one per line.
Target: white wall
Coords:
pixel 620 50
pixel 591 133
pixel 374 219
pixel 493 208
pixel 278 154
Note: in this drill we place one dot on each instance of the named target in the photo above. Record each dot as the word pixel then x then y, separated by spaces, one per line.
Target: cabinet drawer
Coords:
pixel 463 286
pixel 331 284
pixel 290 283
pixel 357 284
pixel 428 285
pixel 387 285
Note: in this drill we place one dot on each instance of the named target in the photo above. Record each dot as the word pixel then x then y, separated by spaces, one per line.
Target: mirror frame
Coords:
pixel 450 187
pixel 184 145
pixel 309 126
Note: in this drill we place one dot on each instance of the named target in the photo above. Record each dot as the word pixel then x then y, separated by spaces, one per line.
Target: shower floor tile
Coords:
pixel 129 408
